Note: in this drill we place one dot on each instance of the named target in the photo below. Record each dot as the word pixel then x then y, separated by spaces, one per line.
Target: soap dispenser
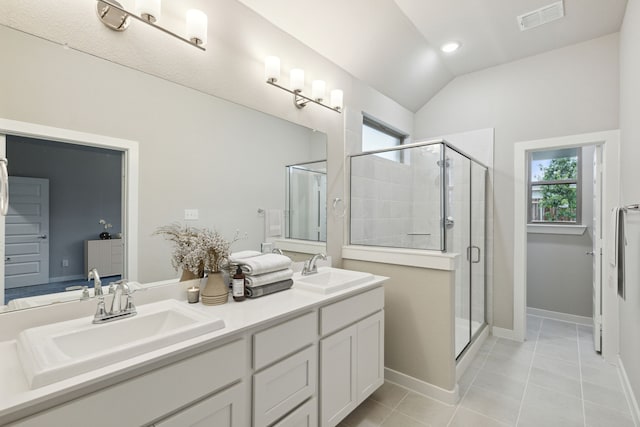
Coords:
pixel 238 285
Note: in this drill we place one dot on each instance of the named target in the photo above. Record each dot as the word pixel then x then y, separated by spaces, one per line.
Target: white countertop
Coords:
pixel 16 397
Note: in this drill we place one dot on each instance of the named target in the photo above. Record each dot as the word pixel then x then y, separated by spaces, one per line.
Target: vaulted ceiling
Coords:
pixel 394 45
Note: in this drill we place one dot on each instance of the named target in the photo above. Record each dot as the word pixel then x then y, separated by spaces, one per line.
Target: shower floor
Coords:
pixel 462 333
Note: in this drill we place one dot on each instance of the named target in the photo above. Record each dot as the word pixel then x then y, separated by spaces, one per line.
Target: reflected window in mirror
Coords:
pixel 306 217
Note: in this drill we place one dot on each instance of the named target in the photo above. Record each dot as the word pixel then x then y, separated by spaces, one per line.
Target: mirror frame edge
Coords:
pixel 130 151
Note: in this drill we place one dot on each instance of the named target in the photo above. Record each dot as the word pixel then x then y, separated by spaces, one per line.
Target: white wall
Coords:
pixel 630 177
pixel 567 91
pixel 180 121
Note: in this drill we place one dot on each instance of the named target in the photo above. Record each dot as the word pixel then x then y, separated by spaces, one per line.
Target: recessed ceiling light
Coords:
pixel 450 47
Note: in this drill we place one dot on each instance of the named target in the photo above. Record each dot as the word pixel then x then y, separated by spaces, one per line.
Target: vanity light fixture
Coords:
pixel 117 18
pixel 296 86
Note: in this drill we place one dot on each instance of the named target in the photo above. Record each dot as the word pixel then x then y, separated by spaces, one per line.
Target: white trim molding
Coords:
pixel 629 394
pixel 609 140
pixel 564 317
pixel 450 397
pixel 410 257
pixel 131 168
pixel 575 230
pixel 508 334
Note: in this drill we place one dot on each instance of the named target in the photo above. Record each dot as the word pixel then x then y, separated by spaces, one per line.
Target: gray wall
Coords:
pixel 559 274
pixel 84 186
pixel 630 188
pixel 563 92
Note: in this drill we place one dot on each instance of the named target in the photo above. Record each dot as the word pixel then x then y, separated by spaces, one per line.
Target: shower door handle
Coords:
pixel 471 248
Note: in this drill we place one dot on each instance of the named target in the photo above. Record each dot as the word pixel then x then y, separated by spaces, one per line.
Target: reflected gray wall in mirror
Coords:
pixel 307 201
pixel 85 186
pixel 196 151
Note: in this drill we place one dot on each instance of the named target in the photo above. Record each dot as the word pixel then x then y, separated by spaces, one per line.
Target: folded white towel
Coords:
pixel 264 264
pixel 265 279
pixel 236 256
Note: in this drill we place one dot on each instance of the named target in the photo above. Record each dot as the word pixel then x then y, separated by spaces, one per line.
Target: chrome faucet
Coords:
pixel 117 311
pixel 277 251
pixel 310 265
pixel 97 287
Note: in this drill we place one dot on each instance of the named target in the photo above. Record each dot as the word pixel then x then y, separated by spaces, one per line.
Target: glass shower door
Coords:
pixel 477 251
pixel 458 240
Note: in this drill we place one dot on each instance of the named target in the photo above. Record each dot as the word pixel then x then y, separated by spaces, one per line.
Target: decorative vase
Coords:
pixel 105 236
pixel 215 291
pixel 188 275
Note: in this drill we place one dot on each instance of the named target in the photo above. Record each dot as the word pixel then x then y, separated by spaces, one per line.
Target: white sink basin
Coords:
pixel 328 280
pixel 62 350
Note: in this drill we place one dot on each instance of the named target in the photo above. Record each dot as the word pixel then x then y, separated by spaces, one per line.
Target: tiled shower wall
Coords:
pixel 397 203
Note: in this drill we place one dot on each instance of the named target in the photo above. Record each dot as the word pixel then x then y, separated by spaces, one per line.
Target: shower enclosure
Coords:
pixel 428 196
pixel 306 201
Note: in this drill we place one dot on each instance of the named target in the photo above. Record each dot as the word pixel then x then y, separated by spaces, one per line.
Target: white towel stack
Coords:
pixel 265 274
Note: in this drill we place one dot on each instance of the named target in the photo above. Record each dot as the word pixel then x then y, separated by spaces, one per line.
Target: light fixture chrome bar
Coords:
pixel 164 30
pixel 300 100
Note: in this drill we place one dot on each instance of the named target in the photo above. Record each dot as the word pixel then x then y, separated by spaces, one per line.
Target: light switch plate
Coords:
pixel 191 214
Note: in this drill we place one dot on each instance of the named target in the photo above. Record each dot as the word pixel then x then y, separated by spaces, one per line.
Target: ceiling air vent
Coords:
pixel 541 16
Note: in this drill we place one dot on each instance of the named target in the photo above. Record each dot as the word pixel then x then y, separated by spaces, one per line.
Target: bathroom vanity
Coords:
pixel 296 358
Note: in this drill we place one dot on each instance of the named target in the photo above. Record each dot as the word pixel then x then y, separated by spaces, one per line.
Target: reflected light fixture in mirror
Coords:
pixel 117 18
pixel 296 86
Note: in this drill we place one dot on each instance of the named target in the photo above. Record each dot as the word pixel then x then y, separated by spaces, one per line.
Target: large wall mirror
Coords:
pixel 196 152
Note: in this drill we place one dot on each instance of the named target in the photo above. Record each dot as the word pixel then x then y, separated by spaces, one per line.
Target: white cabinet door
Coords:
pixel 224 409
pixel 338 396
pixel 370 355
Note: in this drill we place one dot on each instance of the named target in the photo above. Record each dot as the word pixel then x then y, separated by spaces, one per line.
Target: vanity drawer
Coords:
pixel 283 386
pixel 152 395
pixel 350 310
pixel 284 339
pixel 305 416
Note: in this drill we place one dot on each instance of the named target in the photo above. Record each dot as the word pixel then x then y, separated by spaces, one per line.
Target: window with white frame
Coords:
pixel 376 136
pixel 554 186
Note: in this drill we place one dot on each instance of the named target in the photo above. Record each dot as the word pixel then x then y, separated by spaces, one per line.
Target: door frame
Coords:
pixel 130 182
pixel 610 141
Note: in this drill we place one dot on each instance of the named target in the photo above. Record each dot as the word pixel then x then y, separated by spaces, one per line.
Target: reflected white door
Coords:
pixel 596 238
pixel 27 232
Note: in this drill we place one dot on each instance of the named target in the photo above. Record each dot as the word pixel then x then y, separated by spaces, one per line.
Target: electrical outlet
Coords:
pixel 65 262
pixel 191 214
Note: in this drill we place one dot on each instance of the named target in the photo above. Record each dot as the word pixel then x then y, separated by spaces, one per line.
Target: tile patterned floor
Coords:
pixel 555 378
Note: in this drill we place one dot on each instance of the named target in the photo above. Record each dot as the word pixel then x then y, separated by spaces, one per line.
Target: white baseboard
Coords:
pixel 628 391
pixel 582 320
pixel 504 333
pixel 450 397
pixel 66 278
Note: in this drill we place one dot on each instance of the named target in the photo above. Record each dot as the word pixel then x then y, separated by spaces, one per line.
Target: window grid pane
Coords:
pixel 554 186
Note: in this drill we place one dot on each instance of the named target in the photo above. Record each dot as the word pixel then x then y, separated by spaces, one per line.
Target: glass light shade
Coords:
pixel 296 78
pixel 148 9
pixel 337 99
pixel 272 68
pixel 197 26
pixel 318 88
